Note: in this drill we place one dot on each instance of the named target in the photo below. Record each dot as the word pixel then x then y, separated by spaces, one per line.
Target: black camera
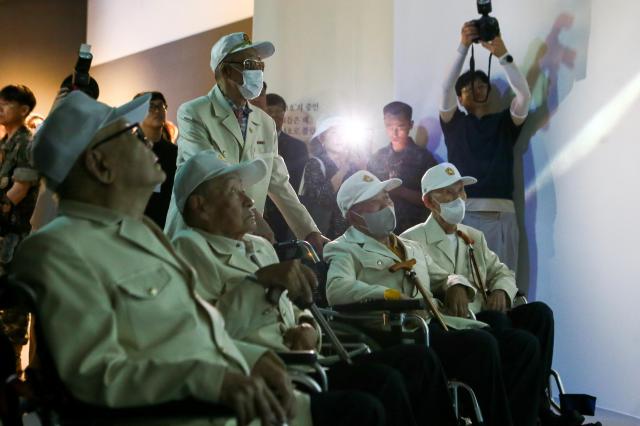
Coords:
pixel 81 77
pixel 487 26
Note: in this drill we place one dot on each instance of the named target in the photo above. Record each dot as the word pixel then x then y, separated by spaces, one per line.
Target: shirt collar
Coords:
pixel 224 244
pixel 246 109
pixel 21 130
pixel 91 212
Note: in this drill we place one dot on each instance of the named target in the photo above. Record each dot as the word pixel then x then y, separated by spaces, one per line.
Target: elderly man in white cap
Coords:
pixel 236 269
pixel 224 121
pixel 117 304
pixel 461 249
pixel 370 262
pixel 210 195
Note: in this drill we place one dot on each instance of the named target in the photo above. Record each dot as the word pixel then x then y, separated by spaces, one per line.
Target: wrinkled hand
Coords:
pixel 456 301
pixel 302 337
pixel 250 397
pixel 272 370
pixel 468 33
pixel 293 276
pixel 497 301
pixel 262 228
pixel 317 240
pixel 495 46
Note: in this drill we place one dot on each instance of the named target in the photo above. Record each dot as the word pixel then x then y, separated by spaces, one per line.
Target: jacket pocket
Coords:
pixel 146 284
pixel 146 303
pixel 375 263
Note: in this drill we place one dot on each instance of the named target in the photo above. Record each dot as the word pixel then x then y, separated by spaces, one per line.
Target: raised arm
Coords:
pixel 520 104
pixel 448 104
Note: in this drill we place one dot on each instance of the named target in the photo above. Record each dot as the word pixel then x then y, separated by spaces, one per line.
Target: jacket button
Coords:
pixel 379 262
pixel 153 291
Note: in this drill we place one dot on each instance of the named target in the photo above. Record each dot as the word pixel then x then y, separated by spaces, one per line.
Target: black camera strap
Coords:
pixel 472 68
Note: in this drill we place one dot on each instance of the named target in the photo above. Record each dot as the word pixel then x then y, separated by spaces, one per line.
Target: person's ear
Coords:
pixel 410 124
pixel 428 202
pixel 97 165
pixel 353 218
pixel 24 111
pixel 194 204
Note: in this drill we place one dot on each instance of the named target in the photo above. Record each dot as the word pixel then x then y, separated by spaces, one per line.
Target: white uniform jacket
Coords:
pixel 120 313
pixel 456 260
pixel 224 266
pixel 208 122
pixel 359 270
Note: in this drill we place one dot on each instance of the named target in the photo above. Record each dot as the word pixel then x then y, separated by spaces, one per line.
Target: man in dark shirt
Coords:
pixel 153 128
pixel 295 155
pixel 403 159
pixel 480 143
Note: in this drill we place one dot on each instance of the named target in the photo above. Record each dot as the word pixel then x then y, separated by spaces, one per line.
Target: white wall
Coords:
pixel 334 53
pixel 117 28
pixel 578 159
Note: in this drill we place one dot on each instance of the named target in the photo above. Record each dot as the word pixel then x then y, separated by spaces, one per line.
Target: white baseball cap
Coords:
pixel 441 176
pixel 70 128
pixel 362 186
pixel 237 42
pixel 327 123
pixel 206 165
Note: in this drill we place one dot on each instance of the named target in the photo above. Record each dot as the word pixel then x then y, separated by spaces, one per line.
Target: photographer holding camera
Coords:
pixel 480 143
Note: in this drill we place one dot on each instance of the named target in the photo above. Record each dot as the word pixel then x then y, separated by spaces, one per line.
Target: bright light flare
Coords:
pixel 605 120
pixel 354 132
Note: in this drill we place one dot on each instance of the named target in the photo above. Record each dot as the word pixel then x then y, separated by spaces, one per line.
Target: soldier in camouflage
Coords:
pixel 18 193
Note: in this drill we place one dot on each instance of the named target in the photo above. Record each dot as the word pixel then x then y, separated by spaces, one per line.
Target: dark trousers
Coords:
pixel 346 408
pixel 536 321
pixel 408 380
pixel 473 357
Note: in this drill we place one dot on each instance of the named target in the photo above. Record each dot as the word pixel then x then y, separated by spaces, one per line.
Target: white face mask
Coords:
pixel 381 223
pixel 251 84
pixel 453 211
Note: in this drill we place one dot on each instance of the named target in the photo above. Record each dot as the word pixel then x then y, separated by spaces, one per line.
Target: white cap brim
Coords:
pixel 188 177
pixel 466 180
pixel 372 191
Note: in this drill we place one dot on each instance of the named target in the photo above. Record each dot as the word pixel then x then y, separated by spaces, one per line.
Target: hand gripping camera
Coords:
pixel 487 26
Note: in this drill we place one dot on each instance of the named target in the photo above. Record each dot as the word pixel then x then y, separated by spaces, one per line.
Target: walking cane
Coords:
pixel 407 267
pixel 274 295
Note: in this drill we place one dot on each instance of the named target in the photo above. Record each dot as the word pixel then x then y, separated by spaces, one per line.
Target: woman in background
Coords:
pixel 331 161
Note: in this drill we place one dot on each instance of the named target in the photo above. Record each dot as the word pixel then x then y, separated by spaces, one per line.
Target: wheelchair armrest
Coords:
pixel 353 349
pixel 393 306
pixel 298 357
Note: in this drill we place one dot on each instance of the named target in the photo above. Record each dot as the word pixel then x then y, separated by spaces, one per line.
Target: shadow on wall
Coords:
pixel 551 69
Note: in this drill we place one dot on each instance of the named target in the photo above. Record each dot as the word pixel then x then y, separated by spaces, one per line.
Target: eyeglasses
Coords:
pixel 132 129
pixel 157 107
pixel 250 64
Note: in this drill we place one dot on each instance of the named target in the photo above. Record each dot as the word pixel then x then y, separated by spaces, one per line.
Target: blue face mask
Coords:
pixel 252 84
pixel 381 223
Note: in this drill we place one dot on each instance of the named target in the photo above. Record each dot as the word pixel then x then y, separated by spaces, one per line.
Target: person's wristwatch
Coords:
pixel 506 59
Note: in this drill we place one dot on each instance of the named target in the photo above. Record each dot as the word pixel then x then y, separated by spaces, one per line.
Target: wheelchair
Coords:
pixel 376 323
pixel 44 395
pixel 401 325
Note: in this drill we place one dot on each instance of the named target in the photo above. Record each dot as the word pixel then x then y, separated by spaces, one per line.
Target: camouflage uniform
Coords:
pixel 15 165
